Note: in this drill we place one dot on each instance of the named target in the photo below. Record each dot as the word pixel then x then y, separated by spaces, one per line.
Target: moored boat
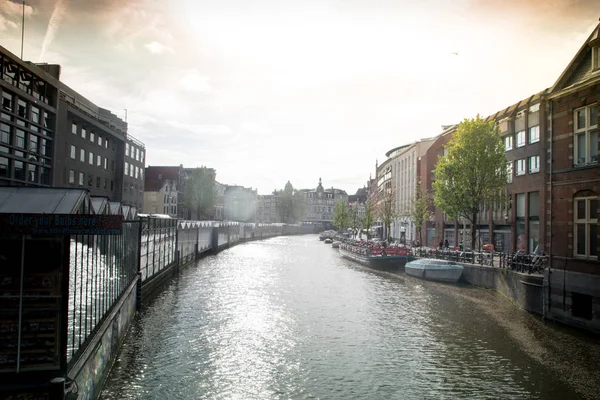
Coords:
pixel 382 258
pixel 328 241
pixel 327 235
pixel 335 244
pixel 434 270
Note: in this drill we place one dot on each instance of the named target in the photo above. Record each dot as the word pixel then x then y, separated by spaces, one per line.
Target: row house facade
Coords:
pixel 267 209
pixel 551 143
pixel 52 136
pixel 163 190
pixel 320 203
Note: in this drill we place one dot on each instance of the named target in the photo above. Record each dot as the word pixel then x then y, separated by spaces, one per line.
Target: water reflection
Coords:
pixel 288 318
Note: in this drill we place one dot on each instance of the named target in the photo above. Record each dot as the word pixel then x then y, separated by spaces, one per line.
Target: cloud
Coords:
pixel 157 48
pixel 60 9
pixel 6 24
pixel 194 81
pixel 15 8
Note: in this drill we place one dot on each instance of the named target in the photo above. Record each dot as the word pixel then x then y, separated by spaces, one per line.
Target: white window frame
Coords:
pixel 586 131
pixel 536 138
pixel 508 142
pixel 509 171
pixel 521 167
pixel 533 168
pixel 73 152
pixel 587 221
pixel 521 140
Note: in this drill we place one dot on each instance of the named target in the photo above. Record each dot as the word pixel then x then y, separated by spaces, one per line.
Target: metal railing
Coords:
pixel 158 245
pixel 101 268
pixel 519 261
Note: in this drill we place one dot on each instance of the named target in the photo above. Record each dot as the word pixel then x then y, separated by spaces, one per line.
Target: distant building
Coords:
pixel 358 201
pixel 163 192
pixel 240 204
pixel 219 208
pixel 267 210
pixel 192 214
pixel 320 203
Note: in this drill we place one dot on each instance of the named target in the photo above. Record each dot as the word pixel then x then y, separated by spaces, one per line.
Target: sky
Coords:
pixel 268 91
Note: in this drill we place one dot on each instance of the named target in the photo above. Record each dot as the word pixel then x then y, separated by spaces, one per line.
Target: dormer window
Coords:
pixel 596 57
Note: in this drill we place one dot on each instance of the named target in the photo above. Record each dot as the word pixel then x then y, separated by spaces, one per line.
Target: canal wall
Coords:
pixel 525 290
pixel 91 369
pixel 572 298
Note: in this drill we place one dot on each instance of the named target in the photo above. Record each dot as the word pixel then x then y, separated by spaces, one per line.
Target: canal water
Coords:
pixel 288 318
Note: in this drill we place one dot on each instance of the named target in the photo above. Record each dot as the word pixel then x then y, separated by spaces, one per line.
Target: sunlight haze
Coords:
pixel 271 91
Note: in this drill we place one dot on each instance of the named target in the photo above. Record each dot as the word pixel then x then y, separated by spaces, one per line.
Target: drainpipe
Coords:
pixel 549 225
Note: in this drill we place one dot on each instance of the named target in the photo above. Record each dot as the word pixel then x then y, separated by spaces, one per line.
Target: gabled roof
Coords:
pixel 155 177
pixel 579 69
pixel 31 200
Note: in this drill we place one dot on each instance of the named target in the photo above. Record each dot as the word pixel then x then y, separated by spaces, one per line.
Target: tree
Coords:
pixel 341 216
pixel 386 210
pixel 354 219
pixel 200 194
pixel 291 204
pixel 299 205
pixel 367 219
pixel 420 210
pixel 472 173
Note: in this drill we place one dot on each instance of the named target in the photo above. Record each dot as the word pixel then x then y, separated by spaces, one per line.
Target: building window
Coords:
pixel 106 143
pixel 82 155
pixel 131 170
pixel 7 101
pixel 81 178
pixel 520 138
pixel 534 221
pixel 127 149
pixel 44 175
pixel 136 172
pixel 98 161
pixel 91 158
pixel 534 164
pixel 71 176
pixel 105 163
pixel 90 180
pixel 126 168
pixel 98 181
pixel 4 167
pixel 520 167
pixel 20 142
pixel 100 141
pixel 586 135
pixel 33 143
pixel 112 185
pixel 5 133
pixel 45 149
pixel 83 133
pixel 35 115
pixel 22 108
pixel 73 152
pixel 105 183
pixel 586 227
pixel 595 57
pixel 19 170
pixel 142 157
pixel 92 137
pixel 508 143
pixel 534 134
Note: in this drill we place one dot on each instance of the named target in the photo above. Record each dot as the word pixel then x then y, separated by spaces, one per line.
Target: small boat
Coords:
pixel 327 235
pixel 434 270
pixel 335 244
pixel 328 241
pixel 386 259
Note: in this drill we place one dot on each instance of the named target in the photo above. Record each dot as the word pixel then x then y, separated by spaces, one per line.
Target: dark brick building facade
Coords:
pixel 50 135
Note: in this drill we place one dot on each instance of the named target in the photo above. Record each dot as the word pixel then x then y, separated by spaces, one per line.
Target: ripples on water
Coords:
pixel 288 318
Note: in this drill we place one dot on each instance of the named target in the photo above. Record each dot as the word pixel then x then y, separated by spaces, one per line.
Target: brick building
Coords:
pixel 574 189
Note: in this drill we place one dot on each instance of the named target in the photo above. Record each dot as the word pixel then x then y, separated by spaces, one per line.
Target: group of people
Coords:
pixel 445 245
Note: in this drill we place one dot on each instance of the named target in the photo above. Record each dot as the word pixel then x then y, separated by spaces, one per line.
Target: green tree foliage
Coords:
pixel 367 219
pixel 420 211
pixel 299 202
pixel 472 173
pixel 386 210
pixel 341 216
pixel 354 219
pixel 200 194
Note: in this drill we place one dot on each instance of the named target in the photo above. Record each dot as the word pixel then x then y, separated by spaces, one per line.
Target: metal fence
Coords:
pixel 158 245
pixel 101 268
pixel 520 262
